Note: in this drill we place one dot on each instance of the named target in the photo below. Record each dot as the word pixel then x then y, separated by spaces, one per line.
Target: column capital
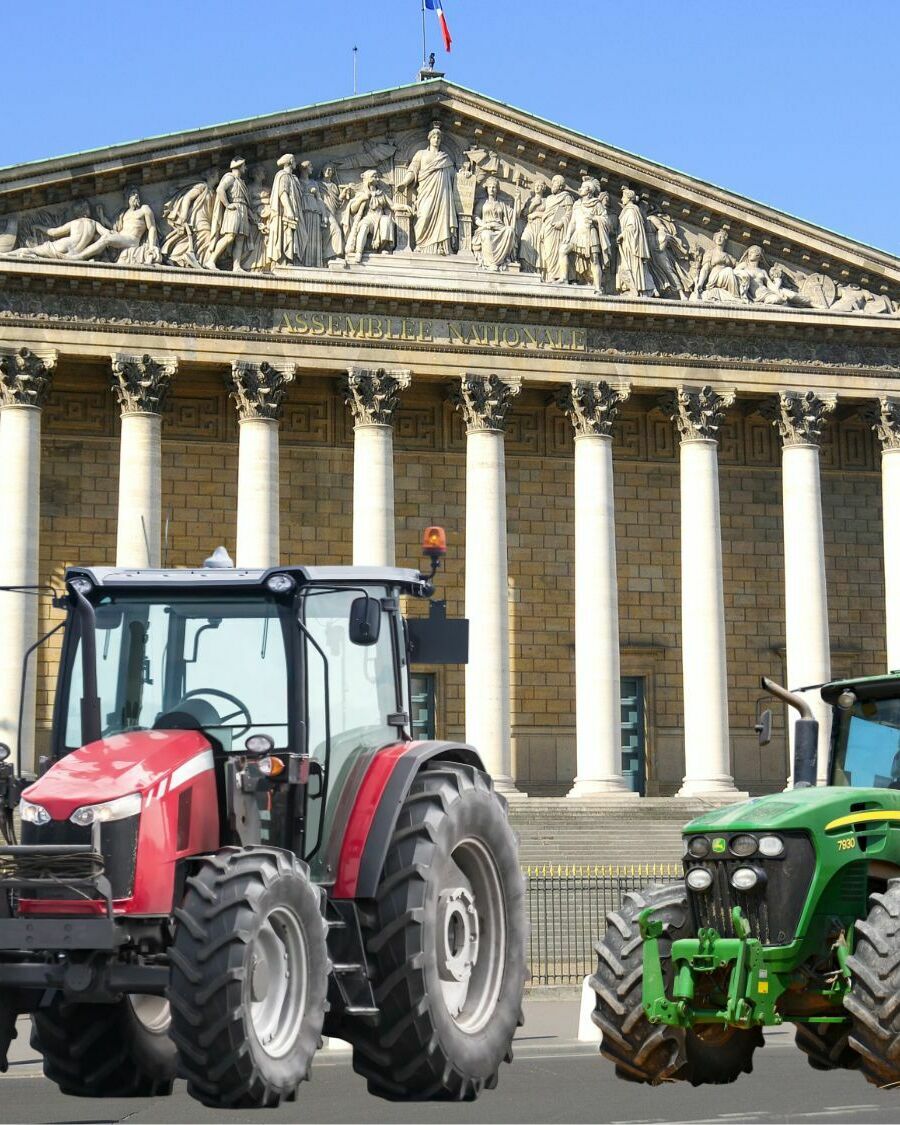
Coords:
pixel 799 415
pixel 884 418
pixel 697 412
pixel 258 389
pixel 484 400
pixel 25 377
pixel 592 405
pixel 141 382
pixel 373 394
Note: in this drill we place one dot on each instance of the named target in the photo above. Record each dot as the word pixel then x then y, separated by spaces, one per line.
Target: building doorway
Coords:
pixel 634 761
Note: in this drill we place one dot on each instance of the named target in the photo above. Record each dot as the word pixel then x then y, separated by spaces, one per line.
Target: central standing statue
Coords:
pixel 432 171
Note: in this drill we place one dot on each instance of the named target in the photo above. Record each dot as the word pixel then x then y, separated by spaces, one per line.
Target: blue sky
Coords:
pixel 791 102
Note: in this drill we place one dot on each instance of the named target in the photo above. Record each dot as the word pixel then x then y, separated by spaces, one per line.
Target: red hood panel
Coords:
pixel 113 767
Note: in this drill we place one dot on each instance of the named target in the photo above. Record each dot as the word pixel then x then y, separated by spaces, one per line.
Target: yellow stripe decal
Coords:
pixel 863 818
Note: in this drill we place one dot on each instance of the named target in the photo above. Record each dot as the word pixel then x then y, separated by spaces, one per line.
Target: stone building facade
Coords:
pixel 656 419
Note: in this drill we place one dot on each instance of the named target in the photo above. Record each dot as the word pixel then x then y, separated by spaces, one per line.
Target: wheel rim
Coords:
pixel 152 1012
pixel 278 978
pixel 471 936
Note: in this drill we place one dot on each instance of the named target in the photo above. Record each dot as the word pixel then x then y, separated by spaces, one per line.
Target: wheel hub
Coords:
pixel 278 977
pixel 470 935
pixel 458 926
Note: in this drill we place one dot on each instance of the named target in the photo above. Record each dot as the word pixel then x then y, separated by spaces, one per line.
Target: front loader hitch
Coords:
pixel 751 994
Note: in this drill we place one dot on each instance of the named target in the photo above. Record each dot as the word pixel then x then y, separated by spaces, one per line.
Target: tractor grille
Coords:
pixel 118 848
pixel 48 867
pixel 773 908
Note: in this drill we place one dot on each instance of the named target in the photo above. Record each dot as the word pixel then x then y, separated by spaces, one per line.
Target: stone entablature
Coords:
pixel 417 180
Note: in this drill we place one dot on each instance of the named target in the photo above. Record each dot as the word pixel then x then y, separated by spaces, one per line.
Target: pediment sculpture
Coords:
pixel 485 210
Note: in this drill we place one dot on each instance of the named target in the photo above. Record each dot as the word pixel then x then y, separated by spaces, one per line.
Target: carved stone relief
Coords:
pixel 592 406
pixel 25 377
pixel 391 196
pixel 374 396
pixel 484 400
pixel 258 389
pixel 799 418
pixel 141 382
pixel 884 419
pixel 698 414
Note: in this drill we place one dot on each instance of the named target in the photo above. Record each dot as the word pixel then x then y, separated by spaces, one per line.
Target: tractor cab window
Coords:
pixel 175 663
pixel 867 745
pixel 362 686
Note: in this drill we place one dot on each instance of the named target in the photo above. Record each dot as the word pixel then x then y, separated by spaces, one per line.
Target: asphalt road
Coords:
pixel 553 1079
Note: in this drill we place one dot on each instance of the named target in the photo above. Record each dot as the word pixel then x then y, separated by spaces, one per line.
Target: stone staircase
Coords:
pixel 560 831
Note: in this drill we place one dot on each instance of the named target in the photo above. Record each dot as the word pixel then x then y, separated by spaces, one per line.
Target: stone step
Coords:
pixel 560 831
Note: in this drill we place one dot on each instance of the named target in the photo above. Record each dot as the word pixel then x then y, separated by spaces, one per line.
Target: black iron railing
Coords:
pixel 567 909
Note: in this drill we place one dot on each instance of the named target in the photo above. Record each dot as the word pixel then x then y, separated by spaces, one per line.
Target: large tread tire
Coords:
pixel 103 1051
pixel 8 1014
pixel 873 1000
pixel 417 1051
pixel 827 1046
pixel 214 962
pixel 657 1053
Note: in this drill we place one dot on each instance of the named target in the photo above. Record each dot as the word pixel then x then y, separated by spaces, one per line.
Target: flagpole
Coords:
pixel 424 41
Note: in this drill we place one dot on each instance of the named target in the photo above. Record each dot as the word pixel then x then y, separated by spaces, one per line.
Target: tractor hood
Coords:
pixel 813 809
pixel 116 766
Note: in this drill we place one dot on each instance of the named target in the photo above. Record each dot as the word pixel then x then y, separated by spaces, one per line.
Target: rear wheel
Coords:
pixel 656 1053
pixel 117 1050
pixel 827 1046
pixel 249 978
pixel 875 989
pixel 446 944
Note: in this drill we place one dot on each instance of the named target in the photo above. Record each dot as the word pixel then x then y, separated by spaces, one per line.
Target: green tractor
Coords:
pixel 789 913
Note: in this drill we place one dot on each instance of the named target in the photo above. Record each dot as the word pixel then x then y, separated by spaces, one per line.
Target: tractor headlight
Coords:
pixel 81 585
pixel 103 813
pixel 743 845
pixel 33 814
pixel 745 878
pixel 771 846
pixel 280 583
pixel 699 879
pixel 698 847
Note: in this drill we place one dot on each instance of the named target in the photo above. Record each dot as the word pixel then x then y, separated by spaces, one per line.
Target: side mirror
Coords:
pixel 365 621
pixel 763 727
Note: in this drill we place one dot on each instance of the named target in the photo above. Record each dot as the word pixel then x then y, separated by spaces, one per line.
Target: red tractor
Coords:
pixel 235 845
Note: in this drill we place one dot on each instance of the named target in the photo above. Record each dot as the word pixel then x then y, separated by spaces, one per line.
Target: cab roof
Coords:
pixel 109 577
pixel 866 687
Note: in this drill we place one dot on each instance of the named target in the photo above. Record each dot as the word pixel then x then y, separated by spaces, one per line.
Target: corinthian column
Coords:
pixel 373 398
pixel 592 408
pixel 697 415
pixel 484 402
pixel 800 419
pixel 24 386
pixel 258 390
pixel 140 383
pixel 887 427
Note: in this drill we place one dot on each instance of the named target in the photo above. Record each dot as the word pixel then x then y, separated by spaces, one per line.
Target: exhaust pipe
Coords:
pixel 806 735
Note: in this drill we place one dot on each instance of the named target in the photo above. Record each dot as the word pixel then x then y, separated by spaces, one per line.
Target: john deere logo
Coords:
pixel 718 845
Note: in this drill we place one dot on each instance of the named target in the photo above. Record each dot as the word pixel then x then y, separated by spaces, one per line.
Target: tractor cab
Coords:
pixel 287 673
pixel 865 732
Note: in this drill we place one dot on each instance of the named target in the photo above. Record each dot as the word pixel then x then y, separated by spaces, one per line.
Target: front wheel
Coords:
pixel 249 978
pixel 446 941
pixel 656 1053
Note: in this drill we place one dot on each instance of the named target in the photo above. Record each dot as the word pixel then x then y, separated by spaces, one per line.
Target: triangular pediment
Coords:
pixel 502 206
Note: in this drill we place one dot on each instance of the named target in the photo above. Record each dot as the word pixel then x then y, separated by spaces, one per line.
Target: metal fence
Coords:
pixel 567 908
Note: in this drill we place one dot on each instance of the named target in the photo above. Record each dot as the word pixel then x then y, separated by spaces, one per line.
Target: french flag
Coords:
pixel 437 6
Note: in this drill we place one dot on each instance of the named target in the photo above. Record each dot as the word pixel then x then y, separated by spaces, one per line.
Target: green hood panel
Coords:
pixel 810 809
